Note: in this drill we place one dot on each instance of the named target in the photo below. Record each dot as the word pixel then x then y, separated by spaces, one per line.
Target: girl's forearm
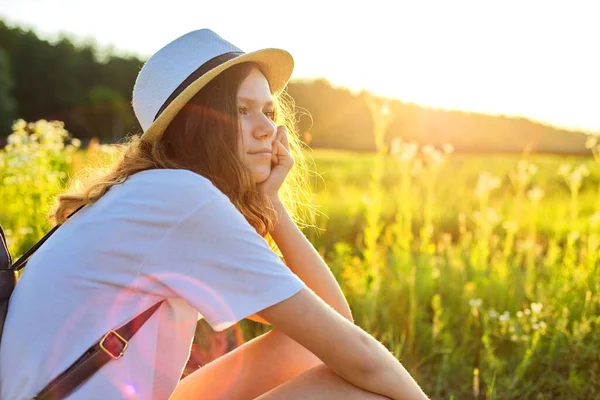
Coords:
pixel 302 258
pixel 389 377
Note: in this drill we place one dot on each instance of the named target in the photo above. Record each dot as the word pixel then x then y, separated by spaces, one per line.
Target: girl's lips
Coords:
pixel 262 154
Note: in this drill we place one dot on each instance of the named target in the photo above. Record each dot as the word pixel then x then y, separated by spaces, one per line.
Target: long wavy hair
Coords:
pixel 203 138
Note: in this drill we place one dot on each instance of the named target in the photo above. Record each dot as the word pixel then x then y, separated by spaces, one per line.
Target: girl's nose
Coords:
pixel 264 127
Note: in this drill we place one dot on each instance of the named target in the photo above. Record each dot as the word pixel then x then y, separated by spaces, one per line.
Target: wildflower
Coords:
pixel 475 303
pixel 488 217
pixel 492 216
pixel 25 231
pixel 428 149
pixel 591 142
pixel 574 177
pixel 384 110
pixel 432 156
pixel 505 316
pixel 536 308
pixel 532 169
pixel 535 194
pixel 523 173
pixel 19 125
pixel 564 169
pixel 448 148
pixel 105 148
pixel 367 200
pixel 525 244
pixel 485 184
pixel 519 314
pixel 446 237
pixel 407 152
pixel 493 313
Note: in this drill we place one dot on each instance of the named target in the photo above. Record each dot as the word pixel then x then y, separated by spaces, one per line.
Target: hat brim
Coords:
pixel 277 65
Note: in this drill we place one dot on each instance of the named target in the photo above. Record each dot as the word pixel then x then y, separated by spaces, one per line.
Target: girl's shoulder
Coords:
pixel 174 179
pixel 166 174
pixel 175 185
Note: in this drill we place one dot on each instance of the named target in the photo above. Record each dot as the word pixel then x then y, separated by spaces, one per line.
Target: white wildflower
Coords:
pixel 590 142
pixel 448 148
pixel 536 308
pixel 535 194
pixel 475 303
pixel 564 169
pixel 76 142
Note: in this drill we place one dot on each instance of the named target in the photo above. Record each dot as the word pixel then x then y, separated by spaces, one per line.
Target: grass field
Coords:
pixel 479 272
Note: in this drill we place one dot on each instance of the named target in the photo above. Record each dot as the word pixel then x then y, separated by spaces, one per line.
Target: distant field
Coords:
pixel 345 178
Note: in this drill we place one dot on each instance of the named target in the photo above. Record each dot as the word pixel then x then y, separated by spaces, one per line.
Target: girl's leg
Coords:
pixel 248 371
pixel 319 383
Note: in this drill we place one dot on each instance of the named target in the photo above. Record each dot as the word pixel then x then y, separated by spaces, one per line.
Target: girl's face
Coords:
pixel 257 128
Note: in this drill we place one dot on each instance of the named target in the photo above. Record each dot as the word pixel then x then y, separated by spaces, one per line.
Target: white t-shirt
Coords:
pixel 162 234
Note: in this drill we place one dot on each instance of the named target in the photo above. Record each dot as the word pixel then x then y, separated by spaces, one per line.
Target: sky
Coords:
pixel 534 59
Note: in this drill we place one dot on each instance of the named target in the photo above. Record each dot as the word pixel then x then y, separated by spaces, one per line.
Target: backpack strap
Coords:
pixel 20 263
pixel 5 257
pixel 111 346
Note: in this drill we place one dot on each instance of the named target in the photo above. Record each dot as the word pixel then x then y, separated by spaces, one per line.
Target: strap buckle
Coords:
pixel 120 338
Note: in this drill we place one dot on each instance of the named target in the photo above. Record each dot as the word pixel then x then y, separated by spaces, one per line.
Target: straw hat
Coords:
pixel 175 73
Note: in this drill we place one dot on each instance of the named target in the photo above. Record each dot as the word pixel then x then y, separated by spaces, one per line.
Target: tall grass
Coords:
pixel 479 272
pixel 490 266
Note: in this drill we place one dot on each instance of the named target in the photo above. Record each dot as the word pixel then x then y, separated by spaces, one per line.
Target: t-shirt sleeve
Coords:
pixel 218 263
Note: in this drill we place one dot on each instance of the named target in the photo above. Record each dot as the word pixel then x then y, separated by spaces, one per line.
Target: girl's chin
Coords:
pixel 261 174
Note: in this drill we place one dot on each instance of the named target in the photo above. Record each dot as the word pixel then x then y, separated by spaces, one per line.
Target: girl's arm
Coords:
pixel 348 350
pixel 302 258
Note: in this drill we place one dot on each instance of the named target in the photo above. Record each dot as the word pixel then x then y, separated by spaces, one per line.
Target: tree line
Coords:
pixel 91 93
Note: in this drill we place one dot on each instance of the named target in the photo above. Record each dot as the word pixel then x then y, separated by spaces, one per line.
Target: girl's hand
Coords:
pixel 281 163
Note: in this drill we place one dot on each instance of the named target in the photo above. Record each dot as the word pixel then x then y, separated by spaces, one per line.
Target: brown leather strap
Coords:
pixel 20 263
pixel 111 346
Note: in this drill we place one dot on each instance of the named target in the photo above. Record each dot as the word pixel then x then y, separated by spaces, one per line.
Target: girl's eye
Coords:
pixel 270 114
pixel 243 110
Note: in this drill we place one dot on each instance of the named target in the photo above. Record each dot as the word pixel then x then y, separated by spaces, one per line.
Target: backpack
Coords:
pixel 111 346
